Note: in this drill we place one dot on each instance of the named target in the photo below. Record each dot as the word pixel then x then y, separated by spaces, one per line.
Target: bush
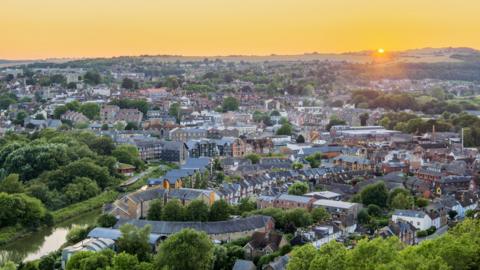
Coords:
pixel 422 233
pixel 431 230
pixel 106 220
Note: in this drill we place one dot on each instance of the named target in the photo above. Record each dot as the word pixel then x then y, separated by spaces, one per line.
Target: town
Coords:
pixel 251 164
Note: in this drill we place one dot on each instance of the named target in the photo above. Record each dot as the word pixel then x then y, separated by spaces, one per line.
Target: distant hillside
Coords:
pixel 423 55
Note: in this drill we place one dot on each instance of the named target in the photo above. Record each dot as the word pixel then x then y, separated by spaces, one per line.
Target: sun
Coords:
pixel 381 50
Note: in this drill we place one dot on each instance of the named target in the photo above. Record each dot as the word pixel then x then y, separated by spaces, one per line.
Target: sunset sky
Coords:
pixel 32 29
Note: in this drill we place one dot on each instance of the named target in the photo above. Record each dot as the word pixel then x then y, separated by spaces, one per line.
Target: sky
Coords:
pixel 36 29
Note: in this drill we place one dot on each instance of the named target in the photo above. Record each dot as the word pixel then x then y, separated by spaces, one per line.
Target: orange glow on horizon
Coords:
pixel 34 29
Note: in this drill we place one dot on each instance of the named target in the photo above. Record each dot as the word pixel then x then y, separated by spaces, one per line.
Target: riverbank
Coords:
pixel 44 241
pixel 12 233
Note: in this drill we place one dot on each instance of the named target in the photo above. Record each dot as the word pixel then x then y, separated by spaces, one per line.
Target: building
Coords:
pixel 186 134
pixel 419 219
pixel 135 205
pixel 113 113
pixel 153 149
pixel 286 201
pixel 263 243
pixel 227 230
pixel 74 117
pixel 353 163
pixel 90 244
pixel 345 212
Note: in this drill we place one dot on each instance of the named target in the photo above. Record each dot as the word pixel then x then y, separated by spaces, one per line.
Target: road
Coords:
pixel 135 178
pixel 436 234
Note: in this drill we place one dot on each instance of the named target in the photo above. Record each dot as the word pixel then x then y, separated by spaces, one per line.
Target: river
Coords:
pixel 44 241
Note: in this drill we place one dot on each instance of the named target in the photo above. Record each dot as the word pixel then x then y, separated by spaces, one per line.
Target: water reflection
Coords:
pixel 44 241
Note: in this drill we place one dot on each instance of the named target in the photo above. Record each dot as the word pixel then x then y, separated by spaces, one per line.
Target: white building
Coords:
pixel 420 220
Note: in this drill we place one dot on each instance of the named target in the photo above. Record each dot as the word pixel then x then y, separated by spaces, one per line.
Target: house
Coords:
pixel 419 219
pixel 244 265
pixel 345 212
pixel 113 113
pixel 125 169
pixel 74 117
pixel 227 230
pixel 90 244
pixel 202 148
pixel 136 204
pixel 325 233
pixel 114 234
pixel 354 163
pixel 186 134
pixel 280 263
pixel 404 230
pixel 263 243
pixel 286 201
pixel 153 149
pixel 452 183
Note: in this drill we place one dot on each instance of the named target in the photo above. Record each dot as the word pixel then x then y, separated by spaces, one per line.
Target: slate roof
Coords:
pixel 410 213
pixel 244 265
pixel 114 234
pixel 216 227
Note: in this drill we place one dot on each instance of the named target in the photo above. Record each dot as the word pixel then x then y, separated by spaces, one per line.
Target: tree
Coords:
pixel 81 189
pixel 332 255
pixel 315 160
pixel 254 158
pixel 285 129
pixel 89 260
pixel 59 111
pixel 20 118
pixel 175 111
pixel 230 104
pixel 135 241
pixel 220 210
pixel 92 78
pixel 421 202
pixel 155 210
pixel 375 194
pixel 334 122
pixel 363 119
pixel 301 257
pixel 129 84
pixel 197 210
pixel 402 201
pixel 173 211
pixel 90 110
pixel 102 145
pixel 374 210
pixel 246 205
pixel 298 188
pixel 452 214
pixel 320 215
pixel 47 263
pixel 11 184
pixel 300 139
pixel 298 217
pixel 131 126
pixel 106 220
pixel 363 217
pixel 297 166
pixel 124 261
pixel 186 250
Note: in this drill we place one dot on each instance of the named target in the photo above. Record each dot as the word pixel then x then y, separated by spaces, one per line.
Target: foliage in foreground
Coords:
pixel 457 249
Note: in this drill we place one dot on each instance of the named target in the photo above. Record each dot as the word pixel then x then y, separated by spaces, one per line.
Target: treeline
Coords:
pixel 289 220
pixel 457 249
pixel 464 71
pixel 54 169
pixel 197 210
pixel 410 123
pixel 397 101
